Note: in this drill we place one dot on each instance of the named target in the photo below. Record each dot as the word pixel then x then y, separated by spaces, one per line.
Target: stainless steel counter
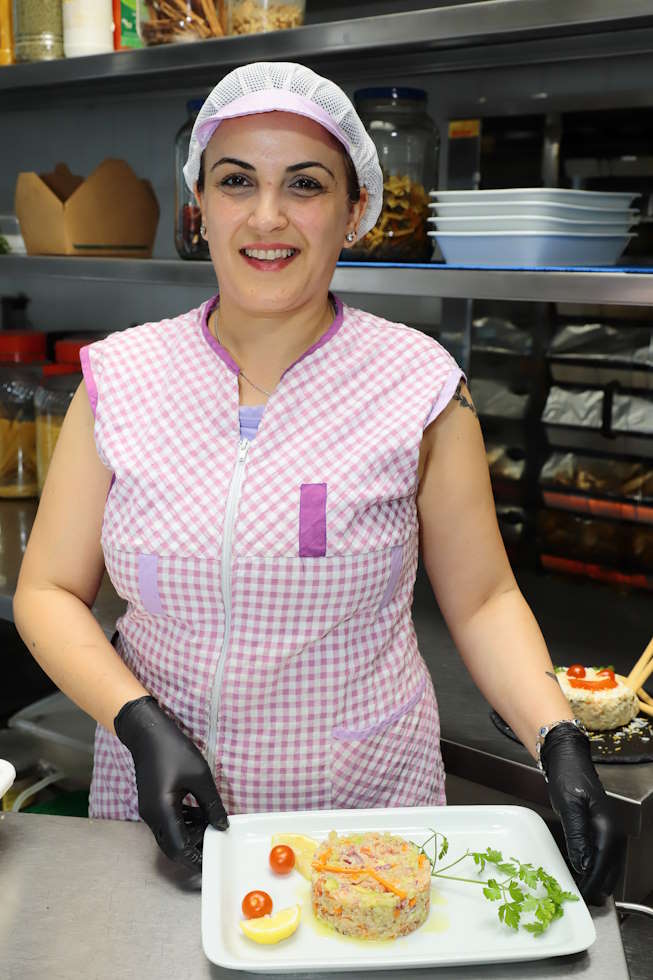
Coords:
pixel 96 899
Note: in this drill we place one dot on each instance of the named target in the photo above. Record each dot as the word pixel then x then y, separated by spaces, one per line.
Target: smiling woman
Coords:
pixel 268 551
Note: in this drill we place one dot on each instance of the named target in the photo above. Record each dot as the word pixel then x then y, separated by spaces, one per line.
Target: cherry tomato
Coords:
pixel 608 673
pixel 282 859
pixel 576 670
pixel 255 904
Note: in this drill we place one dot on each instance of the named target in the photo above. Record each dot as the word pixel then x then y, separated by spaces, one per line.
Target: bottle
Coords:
pixel 87 27
pixel 38 30
pixel 51 401
pixel 6 34
pixel 188 218
pixel 22 358
pixel 407 142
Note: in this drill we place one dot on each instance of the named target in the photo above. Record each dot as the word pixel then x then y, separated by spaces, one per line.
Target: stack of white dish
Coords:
pixel 532 226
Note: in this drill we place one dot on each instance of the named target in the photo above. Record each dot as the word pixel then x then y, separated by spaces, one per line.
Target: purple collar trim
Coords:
pixel 228 359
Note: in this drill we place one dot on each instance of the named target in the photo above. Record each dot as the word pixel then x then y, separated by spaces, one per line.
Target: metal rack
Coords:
pixel 463 34
pixel 381 279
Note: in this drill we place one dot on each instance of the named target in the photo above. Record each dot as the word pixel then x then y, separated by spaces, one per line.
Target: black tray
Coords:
pixel 620 745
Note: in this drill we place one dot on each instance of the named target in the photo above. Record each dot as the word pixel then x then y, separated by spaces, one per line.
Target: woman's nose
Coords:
pixel 268 210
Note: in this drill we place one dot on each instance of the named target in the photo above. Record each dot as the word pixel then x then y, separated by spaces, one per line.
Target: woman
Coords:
pixel 258 474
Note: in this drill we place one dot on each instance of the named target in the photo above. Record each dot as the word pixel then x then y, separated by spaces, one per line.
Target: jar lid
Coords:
pixel 51 369
pixel 66 351
pixel 391 92
pixel 22 345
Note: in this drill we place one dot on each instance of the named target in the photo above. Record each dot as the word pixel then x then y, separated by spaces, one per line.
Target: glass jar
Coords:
pixel 38 30
pixel 6 33
pixel 22 358
pixel 188 217
pixel 255 16
pixel 169 21
pixel 51 401
pixel 408 144
pixel 87 27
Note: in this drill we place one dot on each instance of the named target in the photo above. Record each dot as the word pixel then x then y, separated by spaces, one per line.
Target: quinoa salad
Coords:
pixel 372 885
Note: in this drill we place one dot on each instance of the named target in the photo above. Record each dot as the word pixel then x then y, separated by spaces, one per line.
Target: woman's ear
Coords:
pixel 198 195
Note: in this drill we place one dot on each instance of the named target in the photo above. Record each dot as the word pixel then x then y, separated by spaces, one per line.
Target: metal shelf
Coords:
pixel 470 26
pixel 435 280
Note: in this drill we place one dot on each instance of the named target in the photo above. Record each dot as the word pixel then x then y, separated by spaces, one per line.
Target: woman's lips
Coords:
pixel 272 265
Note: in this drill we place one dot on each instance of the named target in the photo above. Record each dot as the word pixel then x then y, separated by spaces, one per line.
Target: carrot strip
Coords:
pixel 335 869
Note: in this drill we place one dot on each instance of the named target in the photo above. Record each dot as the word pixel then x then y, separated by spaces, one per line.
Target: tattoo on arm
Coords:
pixel 552 676
pixel 464 401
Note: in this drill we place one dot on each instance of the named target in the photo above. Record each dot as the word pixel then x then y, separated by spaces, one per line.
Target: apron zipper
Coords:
pixel 232 503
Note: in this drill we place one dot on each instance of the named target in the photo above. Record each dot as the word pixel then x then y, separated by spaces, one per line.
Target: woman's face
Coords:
pixel 254 191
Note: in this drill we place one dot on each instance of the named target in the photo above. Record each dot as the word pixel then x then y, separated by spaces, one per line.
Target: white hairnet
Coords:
pixel 267 85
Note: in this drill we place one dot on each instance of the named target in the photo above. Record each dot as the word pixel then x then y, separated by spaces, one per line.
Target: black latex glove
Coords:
pixel 168 766
pixel 595 845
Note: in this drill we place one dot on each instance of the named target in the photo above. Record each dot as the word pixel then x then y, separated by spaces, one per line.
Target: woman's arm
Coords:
pixel 61 573
pixel 489 619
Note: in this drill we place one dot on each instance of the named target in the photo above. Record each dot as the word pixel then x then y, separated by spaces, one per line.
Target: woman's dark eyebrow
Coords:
pixel 295 166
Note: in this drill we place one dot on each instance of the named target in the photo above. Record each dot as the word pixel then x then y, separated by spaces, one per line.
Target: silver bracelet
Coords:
pixel 544 731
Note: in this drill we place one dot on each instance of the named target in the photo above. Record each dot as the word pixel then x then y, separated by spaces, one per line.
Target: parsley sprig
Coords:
pixel 522 889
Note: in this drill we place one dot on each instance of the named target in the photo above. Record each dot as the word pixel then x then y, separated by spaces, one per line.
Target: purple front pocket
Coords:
pixel 312 520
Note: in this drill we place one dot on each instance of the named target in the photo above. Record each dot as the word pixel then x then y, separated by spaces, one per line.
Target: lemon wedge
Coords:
pixel 304 848
pixel 272 928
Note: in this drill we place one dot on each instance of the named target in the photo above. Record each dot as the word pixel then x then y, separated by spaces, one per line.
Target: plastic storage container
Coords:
pixel 256 16
pixel 51 400
pixel 169 21
pixel 87 27
pixel 188 218
pixel 408 144
pixel 38 30
pixel 22 358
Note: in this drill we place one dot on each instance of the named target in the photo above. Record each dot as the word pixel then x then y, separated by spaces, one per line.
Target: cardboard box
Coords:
pixel 112 212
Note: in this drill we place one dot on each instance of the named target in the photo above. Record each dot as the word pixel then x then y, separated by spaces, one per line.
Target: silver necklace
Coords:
pixel 258 388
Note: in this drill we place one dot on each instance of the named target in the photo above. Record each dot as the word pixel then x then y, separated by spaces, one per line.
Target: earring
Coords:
pixel 203 230
pixel 350 236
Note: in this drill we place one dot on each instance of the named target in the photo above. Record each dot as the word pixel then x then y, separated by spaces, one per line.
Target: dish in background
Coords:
pixel 529 248
pixel 550 209
pixel 7 776
pixel 619 200
pixel 531 222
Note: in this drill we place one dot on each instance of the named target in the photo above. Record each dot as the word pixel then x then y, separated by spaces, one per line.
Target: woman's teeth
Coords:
pixel 279 253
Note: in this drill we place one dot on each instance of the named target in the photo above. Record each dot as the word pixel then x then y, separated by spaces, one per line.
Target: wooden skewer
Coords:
pixel 641 666
pixel 640 679
pixel 646 708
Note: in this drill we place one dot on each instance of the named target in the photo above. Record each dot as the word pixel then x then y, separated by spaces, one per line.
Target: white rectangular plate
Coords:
pixel 529 249
pixel 561 195
pixel 531 222
pixel 551 209
pixel 463 927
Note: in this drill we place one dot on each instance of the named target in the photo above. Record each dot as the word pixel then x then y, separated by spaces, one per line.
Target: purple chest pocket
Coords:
pixel 312 520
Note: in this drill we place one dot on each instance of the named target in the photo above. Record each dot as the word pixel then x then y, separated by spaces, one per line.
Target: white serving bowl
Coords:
pixel 545 209
pixel 529 248
pixel 531 222
pixel 559 195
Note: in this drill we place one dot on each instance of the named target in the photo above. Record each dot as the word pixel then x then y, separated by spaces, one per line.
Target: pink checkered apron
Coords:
pixel 269 583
